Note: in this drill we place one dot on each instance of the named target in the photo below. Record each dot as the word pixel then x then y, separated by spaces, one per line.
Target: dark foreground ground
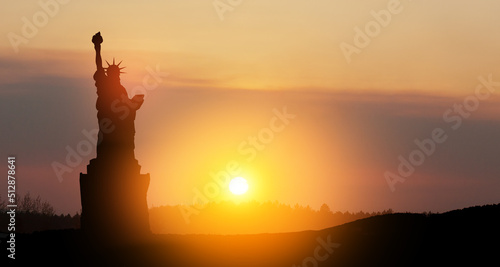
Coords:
pixel 468 236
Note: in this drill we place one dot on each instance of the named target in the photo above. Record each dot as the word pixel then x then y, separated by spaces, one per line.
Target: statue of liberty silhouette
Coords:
pixel 116 112
pixel 114 192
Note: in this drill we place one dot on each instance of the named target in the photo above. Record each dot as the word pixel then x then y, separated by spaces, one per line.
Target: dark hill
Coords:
pixel 467 236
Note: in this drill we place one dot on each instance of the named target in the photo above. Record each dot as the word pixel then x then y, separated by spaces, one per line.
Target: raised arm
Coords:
pixel 97 40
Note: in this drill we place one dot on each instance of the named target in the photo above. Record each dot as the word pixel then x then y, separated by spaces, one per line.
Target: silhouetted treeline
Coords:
pixel 28 204
pixel 33 214
pixel 247 218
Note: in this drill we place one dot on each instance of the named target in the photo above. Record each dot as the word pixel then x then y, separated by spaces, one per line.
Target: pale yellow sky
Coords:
pixel 426 46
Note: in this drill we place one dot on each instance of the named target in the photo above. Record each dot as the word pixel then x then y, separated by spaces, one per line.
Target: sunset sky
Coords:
pixel 218 74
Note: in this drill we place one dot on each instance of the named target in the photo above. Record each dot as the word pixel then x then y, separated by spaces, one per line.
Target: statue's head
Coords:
pixel 113 71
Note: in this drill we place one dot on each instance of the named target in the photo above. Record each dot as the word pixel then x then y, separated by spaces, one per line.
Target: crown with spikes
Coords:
pixel 113 67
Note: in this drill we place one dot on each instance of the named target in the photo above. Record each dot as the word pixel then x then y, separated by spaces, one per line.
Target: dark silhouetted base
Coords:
pixel 114 202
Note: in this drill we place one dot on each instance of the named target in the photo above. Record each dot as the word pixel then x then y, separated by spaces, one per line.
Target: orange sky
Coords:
pixel 212 84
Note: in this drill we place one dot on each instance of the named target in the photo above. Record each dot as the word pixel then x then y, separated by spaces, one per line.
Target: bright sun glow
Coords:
pixel 238 186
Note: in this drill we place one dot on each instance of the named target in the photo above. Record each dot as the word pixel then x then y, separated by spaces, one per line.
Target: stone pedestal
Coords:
pixel 114 201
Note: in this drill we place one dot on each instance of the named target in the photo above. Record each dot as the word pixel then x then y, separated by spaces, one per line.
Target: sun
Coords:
pixel 238 186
